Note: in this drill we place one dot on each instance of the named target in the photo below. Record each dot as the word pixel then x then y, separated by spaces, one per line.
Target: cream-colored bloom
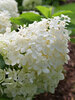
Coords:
pixel 39 52
pixel 38 46
pixel 10 6
pixel 4 21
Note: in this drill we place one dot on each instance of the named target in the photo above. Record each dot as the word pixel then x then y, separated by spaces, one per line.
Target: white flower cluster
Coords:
pixel 4 21
pixel 30 4
pixel 38 53
pixel 10 6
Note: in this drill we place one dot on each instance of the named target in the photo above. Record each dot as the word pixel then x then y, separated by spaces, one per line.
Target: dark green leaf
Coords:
pixel 4 98
pixel 73 40
pixel 55 3
pixel 19 2
pixel 2 63
pixel 73 32
pixel 71 26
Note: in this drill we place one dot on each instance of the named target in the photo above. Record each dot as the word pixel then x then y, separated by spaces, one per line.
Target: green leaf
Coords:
pixel 63 0
pixel 18 20
pixel 70 6
pixel 3 98
pixel 55 3
pixel 71 26
pixel 19 2
pixel 48 1
pixel 61 12
pixel 31 16
pixel 26 18
pixel 44 10
pixel 73 40
pixel 73 32
pixel 51 11
pixel 2 62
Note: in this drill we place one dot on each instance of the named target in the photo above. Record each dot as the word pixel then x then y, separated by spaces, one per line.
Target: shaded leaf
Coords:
pixel 4 98
pixel 71 26
pixel 2 62
pixel 73 40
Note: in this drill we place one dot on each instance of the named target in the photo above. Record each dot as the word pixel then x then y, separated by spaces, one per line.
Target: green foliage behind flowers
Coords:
pixel 45 11
pixel 26 18
pixel 19 2
pixel 30 17
pixel 2 62
pixel 52 2
pixel 49 13
pixel 71 7
pixel 4 98
pixel 31 4
pixel 20 7
pixel 73 40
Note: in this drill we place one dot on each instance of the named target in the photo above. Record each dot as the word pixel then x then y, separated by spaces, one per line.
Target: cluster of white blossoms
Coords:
pixel 35 55
pixel 4 21
pixel 10 6
pixel 31 4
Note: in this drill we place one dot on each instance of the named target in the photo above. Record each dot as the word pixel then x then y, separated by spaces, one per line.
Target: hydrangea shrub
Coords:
pixel 35 56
